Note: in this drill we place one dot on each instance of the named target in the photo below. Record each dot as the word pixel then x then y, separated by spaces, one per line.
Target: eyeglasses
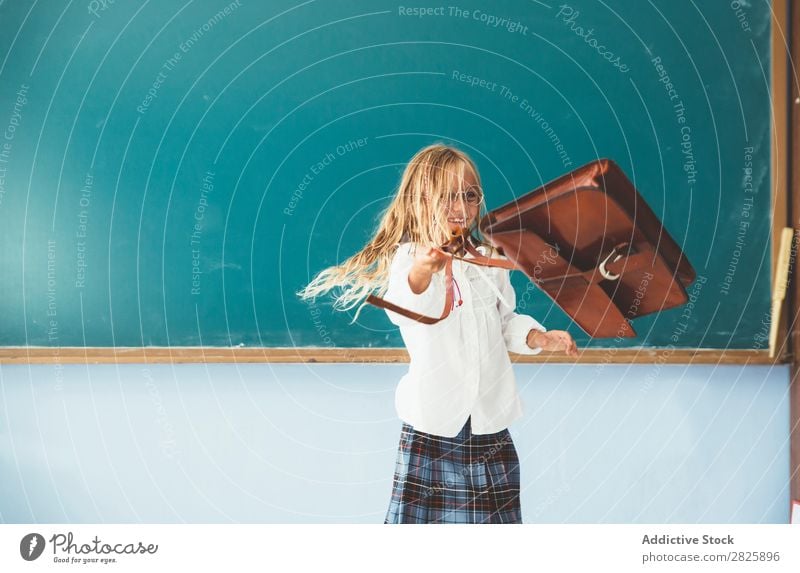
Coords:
pixel 471 196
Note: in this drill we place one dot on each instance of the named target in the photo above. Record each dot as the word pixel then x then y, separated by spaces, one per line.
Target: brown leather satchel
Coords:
pixel 590 242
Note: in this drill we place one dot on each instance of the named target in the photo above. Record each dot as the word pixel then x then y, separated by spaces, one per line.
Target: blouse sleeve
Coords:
pixel 429 302
pixel 515 326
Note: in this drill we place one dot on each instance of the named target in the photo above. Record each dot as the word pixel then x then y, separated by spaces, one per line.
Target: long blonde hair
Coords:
pixel 415 215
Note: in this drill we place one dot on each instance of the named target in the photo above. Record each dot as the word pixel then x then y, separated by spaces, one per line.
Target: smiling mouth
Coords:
pixel 456 221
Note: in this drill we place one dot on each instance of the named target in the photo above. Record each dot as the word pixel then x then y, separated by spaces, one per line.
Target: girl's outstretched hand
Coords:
pixel 553 341
pixel 430 259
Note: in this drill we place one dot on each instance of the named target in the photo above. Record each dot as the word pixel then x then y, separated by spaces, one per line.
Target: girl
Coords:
pixel 456 461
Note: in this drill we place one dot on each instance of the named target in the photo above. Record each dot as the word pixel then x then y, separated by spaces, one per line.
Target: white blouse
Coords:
pixel 459 367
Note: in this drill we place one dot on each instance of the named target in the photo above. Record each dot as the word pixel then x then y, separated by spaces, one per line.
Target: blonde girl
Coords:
pixel 456 461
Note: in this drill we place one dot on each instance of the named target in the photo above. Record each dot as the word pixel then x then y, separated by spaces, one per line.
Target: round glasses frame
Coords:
pixel 471 196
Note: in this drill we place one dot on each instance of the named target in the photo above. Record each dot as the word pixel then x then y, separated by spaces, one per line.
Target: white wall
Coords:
pixel 316 443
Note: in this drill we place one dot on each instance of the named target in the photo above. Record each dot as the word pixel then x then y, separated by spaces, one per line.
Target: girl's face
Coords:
pixel 464 204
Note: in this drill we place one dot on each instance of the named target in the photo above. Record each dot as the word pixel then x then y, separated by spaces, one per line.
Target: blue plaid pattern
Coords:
pixel 470 478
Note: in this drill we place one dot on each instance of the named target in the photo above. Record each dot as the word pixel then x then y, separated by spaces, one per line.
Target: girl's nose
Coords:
pixel 459 208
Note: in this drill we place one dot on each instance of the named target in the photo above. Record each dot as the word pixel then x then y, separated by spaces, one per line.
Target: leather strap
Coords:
pixel 484 261
pixel 448 302
pixel 611 268
pixel 455 246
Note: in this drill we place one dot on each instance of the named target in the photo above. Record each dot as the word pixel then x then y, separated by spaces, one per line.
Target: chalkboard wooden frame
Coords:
pixel 789 84
pixel 209 354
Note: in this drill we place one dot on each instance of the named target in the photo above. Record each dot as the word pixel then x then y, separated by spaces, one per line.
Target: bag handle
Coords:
pixel 623 258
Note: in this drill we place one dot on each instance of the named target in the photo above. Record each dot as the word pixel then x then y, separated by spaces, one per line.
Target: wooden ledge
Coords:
pixel 159 354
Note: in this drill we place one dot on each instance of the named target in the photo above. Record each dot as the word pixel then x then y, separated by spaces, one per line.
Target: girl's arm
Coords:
pixel 516 327
pixel 429 302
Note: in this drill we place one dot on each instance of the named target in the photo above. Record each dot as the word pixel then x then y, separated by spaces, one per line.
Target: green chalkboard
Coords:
pixel 171 173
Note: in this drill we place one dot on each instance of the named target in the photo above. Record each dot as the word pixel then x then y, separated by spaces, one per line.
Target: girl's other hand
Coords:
pixel 553 341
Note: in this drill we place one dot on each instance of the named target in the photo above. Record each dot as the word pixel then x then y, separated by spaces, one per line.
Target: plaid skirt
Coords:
pixel 470 478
